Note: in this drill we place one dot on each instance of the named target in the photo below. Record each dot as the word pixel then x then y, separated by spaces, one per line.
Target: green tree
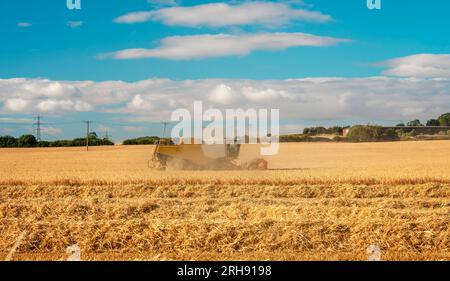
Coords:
pixel 444 119
pixel 336 130
pixel 370 133
pixel 141 141
pixel 60 143
pixel 361 133
pixel 8 141
pixel 433 122
pixel 44 144
pixel 400 125
pixel 389 134
pixel 27 141
pixel 414 123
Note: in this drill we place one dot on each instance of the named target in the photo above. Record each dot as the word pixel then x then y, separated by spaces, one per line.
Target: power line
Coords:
pixel 165 126
pixel 88 123
pixel 108 136
pixel 38 128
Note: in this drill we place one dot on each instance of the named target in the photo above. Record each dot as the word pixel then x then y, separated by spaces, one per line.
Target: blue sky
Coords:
pixel 51 49
pixel 39 45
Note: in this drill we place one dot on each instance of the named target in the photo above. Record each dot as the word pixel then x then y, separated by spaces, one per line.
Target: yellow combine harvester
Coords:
pixel 202 157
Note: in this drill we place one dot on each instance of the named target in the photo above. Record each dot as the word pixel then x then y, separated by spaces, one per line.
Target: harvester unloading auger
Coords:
pixel 203 157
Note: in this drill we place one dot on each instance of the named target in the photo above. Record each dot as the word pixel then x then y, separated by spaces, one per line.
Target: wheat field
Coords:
pixel 319 201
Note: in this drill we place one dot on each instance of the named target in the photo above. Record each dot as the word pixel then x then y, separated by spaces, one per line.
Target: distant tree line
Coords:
pixel 443 120
pixel 359 133
pixel 30 141
pixel 141 141
pixel 377 133
pixel 371 133
pixel 307 138
pixel 336 130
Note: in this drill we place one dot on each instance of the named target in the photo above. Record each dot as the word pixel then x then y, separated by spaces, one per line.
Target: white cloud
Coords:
pixel 140 103
pixel 42 95
pixel 51 105
pixel 135 17
pixel 264 94
pixel 223 14
pixel 207 45
pixel 223 94
pixel 74 24
pixel 17 104
pixel 24 24
pixel 420 65
pixel 82 106
pixel 153 100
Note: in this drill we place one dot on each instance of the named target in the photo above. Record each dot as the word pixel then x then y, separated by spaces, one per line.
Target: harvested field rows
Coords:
pixel 324 212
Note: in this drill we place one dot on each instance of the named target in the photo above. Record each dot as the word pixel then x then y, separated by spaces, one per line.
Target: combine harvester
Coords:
pixel 202 157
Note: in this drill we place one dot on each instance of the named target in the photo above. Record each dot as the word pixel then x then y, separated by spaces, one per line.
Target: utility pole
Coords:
pixel 38 128
pixel 88 122
pixel 164 131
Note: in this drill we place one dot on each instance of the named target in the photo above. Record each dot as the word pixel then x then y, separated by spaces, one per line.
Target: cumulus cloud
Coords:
pixel 223 94
pixel 140 103
pixel 54 105
pixel 223 14
pixel 153 100
pixel 207 45
pixel 17 104
pixel 22 95
pixel 265 94
pixel 420 65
